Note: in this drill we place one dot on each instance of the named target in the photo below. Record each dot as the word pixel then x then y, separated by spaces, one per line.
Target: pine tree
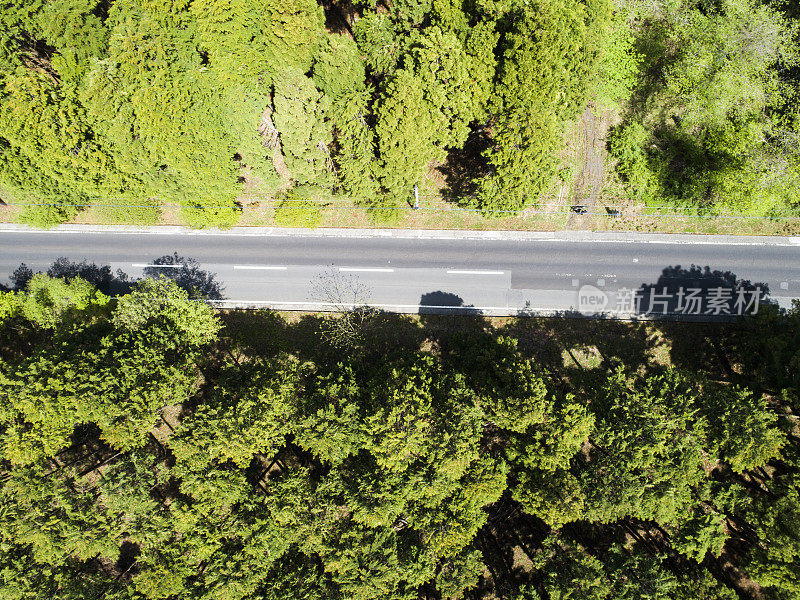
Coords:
pixel 356 140
pixel 548 59
pixel 48 302
pixel 250 415
pixel 648 453
pixel 339 73
pixel 338 66
pixel 161 114
pixel 407 130
pixel 120 380
pixel 246 39
pixel 301 119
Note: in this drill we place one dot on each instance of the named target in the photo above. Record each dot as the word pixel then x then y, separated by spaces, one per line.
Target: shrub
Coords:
pixel 223 215
pixel 128 211
pixel 626 144
pixel 297 211
pixel 384 213
pixel 47 215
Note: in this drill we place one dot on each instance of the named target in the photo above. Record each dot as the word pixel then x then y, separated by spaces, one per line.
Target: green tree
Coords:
pixel 712 90
pixel 162 302
pixel 49 157
pixel 117 378
pixel 161 113
pixel 9 306
pixel 407 131
pixel 338 66
pixel 356 160
pixel 618 66
pixel 570 572
pixel 775 560
pixel 648 450
pixel 247 39
pixel 378 38
pixel 48 302
pixel 548 58
pixel 251 413
pixel 301 118
pixel 451 83
pixel 742 429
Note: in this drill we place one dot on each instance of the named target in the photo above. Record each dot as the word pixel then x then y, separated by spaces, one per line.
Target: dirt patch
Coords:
pixel 587 187
pixel 270 139
pixel 283 171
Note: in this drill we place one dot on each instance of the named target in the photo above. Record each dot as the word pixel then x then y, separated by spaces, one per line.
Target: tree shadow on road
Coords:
pixel 445 303
pixel 670 293
pixel 106 281
pixel 188 275
pixel 719 305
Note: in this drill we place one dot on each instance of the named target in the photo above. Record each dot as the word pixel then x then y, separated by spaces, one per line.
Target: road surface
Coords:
pixel 493 276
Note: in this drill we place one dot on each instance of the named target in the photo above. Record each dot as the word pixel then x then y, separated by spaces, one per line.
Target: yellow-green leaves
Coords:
pixel 47 301
pixel 156 301
pixel 300 113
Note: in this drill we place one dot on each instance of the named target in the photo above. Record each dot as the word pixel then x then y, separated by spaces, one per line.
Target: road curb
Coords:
pixel 425 234
pixel 492 311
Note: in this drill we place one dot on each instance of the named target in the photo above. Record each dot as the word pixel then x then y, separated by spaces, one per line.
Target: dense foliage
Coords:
pixel 152 449
pixel 714 118
pixel 132 105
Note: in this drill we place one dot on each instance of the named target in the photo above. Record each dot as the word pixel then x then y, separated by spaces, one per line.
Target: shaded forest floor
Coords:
pixel 563 344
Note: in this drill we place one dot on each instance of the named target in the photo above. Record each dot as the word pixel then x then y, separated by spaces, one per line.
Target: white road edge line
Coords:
pixel 449 235
pixel 529 310
pixel 258 268
pixel 365 270
pixel 536 311
pixel 345 305
pixel 144 266
pixel 460 272
pixel 471 235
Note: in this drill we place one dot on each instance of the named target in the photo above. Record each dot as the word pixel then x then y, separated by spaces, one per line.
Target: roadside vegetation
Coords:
pixel 138 112
pixel 152 448
pixel 712 121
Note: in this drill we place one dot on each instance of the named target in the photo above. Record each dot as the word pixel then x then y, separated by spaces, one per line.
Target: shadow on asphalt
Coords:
pixel 185 272
pixel 445 303
pixel 699 294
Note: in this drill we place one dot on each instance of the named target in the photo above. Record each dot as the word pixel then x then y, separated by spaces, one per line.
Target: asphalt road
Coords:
pixel 493 276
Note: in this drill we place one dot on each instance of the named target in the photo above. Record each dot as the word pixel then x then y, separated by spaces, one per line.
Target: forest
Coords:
pixel 140 106
pixel 154 448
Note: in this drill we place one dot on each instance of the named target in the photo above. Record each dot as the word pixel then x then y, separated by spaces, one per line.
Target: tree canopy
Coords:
pixel 134 107
pixel 152 448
